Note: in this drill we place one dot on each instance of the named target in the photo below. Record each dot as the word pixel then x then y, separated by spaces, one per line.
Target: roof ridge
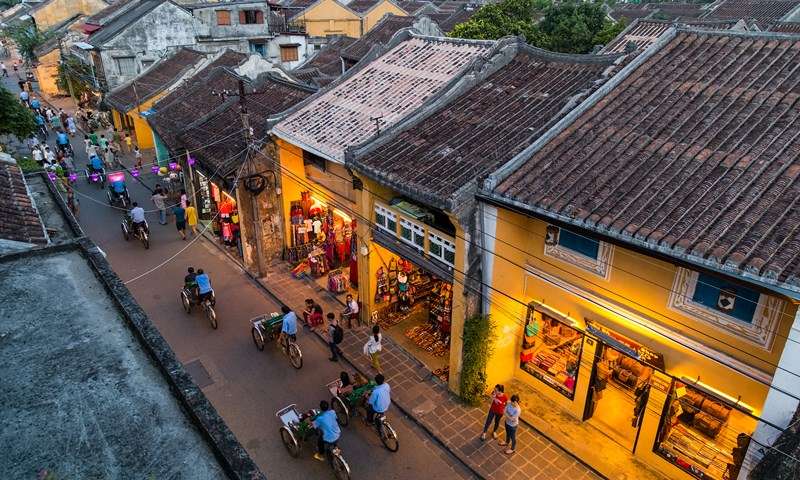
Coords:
pixel 735 33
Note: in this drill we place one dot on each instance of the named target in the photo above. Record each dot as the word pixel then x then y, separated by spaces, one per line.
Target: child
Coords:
pixel 128 141
pixel 138 156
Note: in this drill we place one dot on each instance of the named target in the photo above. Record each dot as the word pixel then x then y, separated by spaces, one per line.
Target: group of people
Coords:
pixel 377 400
pixel 185 213
pixel 502 407
pixel 199 283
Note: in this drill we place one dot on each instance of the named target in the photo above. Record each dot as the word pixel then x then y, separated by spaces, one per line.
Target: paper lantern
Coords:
pixel 73 176
pixel 94 177
pixel 173 166
pixel 154 169
pixel 192 161
pixel 116 177
pixel 52 176
pixel 134 172
pixel 163 170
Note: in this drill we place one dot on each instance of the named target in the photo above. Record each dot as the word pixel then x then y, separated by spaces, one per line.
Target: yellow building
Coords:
pixel 130 103
pixel 53 12
pixel 645 300
pixel 331 17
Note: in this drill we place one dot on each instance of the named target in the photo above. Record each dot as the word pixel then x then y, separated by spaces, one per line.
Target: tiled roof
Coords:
pixel 413 6
pixel 380 34
pixel 786 27
pixel 187 104
pixel 695 153
pixel 114 26
pixel 221 158
pixel 103 16
pixel 362 6
pixel 484 127
pixel 640 33
pixel 630 11
pixel 19 219
pixel 324 66
pixel 673 11
pixel 157 78
pixel 459 16
pixel 450 5
pixel 388 88
pixel 765 12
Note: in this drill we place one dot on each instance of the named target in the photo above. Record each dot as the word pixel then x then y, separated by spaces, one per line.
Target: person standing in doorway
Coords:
pixel 512 412
pixel 351 311
pixel 191 217
pixel 180 219
pixel 373 348
pixel 158 199
pixel 335 337
pixel 496 410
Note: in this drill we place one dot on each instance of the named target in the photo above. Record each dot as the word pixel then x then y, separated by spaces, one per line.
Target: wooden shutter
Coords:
pixel 223 17
pixel 242 17
pixel 259 16
pixel 288 53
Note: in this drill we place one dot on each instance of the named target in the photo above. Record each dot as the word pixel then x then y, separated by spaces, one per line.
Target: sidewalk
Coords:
pixel 428 402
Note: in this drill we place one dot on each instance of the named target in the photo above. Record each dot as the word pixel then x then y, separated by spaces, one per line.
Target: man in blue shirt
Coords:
pixel 379 399
pixel 118 188
pixel 289 324
pixel 96 163
pixel 23 96
pixel 39 119
pixel 329 429
pixel 35 104
pixel 204 289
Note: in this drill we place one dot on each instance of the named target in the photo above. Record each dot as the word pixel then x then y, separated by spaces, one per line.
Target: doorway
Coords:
pixel 618 395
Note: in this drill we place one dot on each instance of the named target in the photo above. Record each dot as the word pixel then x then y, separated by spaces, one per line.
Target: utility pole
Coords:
pixel 251 168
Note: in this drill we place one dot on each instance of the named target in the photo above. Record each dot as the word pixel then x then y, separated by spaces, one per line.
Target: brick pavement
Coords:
pixel 426 399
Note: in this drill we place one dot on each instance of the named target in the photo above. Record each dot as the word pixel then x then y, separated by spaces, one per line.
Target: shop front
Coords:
pixel 218 211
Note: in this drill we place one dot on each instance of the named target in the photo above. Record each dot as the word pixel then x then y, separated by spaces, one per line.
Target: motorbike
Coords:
pixel 128 231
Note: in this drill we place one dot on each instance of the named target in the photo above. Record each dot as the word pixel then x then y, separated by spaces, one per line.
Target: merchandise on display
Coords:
pixel 551 351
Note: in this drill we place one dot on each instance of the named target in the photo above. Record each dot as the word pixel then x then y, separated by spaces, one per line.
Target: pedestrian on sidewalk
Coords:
pixel 180 219
pixel 351 311
pixel 307 311
pixel 72 202
pixel 128 142
pixel 38 155
pixel 496 409
pixel 55 121
pixel 335 337
pixel 137 155
pixel 108 157
pixel 103 142
pixel 73 129
pixel 93 139
pixel 24 97
pixel 36 105
pixel 5 69
pixel 21 84
pixel 158 200
pixel 373 348
pixel 62 115
pixel 15 66
pixel 191 217
pixel 512 412
pixel 184 198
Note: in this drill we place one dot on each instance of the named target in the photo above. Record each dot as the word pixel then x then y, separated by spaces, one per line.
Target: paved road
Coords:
pixel 248 386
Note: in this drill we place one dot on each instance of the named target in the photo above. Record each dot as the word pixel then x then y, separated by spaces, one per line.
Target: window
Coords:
pixel 289 53
pixel 146 64
pixel 442 249
pixel 412 234
pixel 251 17
pixel 579 250
pixel 315 160
pixel 126 65
pixel 734 300
pixel 742 311
pixel 223 17
pixel 259 48
pixel 386 220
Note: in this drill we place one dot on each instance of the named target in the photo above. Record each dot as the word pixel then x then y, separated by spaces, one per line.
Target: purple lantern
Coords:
pixel 134 172
pixel 191 161
pixel 73 176
pixel 52 176
pixel 94 177
pixel 154 169
pixel 173 166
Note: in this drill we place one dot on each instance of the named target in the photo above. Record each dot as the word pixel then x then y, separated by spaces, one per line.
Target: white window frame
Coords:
pixel 760 332
pixel 444 245
pixel 416 231
pixel 387 215
pixel 600 266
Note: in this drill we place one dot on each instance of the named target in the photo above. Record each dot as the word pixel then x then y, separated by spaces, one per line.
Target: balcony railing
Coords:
pixel 291 28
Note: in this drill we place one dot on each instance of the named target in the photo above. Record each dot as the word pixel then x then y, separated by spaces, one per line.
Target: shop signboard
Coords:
pixel 625 345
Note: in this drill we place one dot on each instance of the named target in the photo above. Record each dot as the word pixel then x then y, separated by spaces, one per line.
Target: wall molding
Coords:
pixel 600 266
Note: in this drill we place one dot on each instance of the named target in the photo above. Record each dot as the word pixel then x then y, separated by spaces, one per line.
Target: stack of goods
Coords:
pixel 382 293
pixel 703 413
pixel 338 282
pixel 442 373
pixel 630 373
pixel 318 262
pixel 298 253
pixel 441 306
pixel 428 339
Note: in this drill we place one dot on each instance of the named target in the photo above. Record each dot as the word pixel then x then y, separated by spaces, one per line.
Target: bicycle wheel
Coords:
pixel 295 356
pixel 342 414
pixel 187 304
pixel 287 437
pixel 211 315
pixel 125 234
pixel 258 338
pixel 145 240
pixel 340 467
pixel 388 437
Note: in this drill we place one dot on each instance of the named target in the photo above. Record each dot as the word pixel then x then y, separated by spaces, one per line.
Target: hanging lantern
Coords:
pixel 116 177
pixel 191 161
pixel 73 176
pixel 134 172
pixel 52 176
pixel 173 166
pixel 94 177
pixel 154 169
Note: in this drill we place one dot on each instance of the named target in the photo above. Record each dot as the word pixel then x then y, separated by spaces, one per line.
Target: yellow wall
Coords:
pixel 331 18
pixel 57 11
pixel 648 300
pixel 373 16
pixel 47 73
pixel 142 134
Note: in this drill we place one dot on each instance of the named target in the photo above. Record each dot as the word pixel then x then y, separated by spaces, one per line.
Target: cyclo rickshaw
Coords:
pixel 298 429
pixel 353 404
pixel 266 328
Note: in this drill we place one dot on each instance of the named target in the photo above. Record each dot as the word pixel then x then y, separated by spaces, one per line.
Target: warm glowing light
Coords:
pixel 345 216
pixel 191 161
pixel 227 195
pixel 135 172
pixel 709 388
pixel 116 177
pixel 154 169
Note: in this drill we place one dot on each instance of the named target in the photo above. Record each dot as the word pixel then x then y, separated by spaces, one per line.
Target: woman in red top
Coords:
pixel 496 410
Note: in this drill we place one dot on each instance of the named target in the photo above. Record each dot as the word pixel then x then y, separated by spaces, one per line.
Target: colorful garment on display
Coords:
pixel 338 282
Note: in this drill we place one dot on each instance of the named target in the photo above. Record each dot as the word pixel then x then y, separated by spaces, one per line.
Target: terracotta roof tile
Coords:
pixel 324 66
pixel 380 34
pixel 157 78
pixel 765 12
pixel 389 87
pixel 19 219
pixel 485 126
pixel 786 27
pixel 696 152
pixel 362 6
pixel 673 11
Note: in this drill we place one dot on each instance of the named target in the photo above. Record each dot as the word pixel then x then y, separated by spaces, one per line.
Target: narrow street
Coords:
pixel 246 386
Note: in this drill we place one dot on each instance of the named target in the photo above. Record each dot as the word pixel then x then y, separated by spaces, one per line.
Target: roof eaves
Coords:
pixel 491 181
pixel 313 5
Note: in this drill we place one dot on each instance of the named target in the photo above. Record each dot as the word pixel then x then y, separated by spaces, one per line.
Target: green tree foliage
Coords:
pixel 569 27
pixel 15 118
pixel 73 71
pixel 27 37
pixel 479 336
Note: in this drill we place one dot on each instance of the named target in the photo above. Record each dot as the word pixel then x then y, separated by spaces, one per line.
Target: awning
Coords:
pixel 83 46
pixel 89 28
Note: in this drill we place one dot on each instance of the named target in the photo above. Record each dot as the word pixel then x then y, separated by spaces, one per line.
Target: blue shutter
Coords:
pixel 707 293
pixel 577 243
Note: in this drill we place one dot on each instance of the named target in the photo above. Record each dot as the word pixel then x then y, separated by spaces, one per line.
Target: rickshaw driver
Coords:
pixel 288 325
pixel 329 429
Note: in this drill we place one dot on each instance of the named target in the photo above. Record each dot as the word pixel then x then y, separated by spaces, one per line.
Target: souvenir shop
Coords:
pixel 322 245
pixel 413 304
pixel 218 210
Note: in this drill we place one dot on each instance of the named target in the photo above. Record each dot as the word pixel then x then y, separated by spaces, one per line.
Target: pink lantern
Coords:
pixel 134 172
pixel 154 169
pixel 116 177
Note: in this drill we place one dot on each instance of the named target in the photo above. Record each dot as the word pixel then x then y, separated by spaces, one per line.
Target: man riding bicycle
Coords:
pixel 95 164
pixel 204 289
pixel 117 187
pixel 329 429
pixel 288 325
pixel 379 399
pixel 137 217
pixel 62 140
pixel 189 282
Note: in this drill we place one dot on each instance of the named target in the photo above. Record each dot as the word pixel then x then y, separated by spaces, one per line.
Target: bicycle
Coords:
pixel 267 327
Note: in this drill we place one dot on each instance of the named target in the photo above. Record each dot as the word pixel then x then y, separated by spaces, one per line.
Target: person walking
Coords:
pixel 158 200
pixel 512 412
pixel 496 409
pixel 24 97
pixel 191 217
pixel 72 202
pixel 373 348
pixel 180 219
pixel 184 198
pixel 73 129
pixel 109 158
pixel 38 155
pixel 137 155
pixel 128 142
pixel 335 337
